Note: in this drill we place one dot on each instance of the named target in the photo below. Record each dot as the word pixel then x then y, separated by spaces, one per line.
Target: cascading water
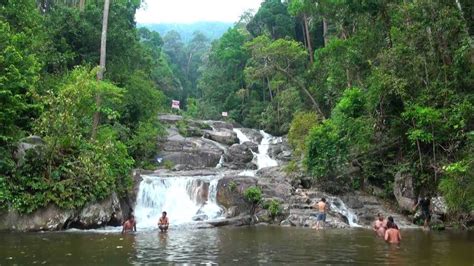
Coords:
pixel 183 198
pixel 263 159
pixel 337 205
pixel 241 136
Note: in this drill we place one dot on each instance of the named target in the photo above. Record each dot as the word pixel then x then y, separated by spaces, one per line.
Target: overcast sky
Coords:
pixel 187 11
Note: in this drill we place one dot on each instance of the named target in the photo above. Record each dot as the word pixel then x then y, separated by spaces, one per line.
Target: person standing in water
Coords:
pixel 163 223
pixel 380 225
pixel 392 234
pixel 321 217
pixel 129 225
pixel 425 206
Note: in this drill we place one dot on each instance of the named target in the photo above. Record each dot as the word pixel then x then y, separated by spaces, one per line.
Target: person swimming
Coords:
pixel 380 225
pixel 163 222
pixel 392 234
pixel 129 225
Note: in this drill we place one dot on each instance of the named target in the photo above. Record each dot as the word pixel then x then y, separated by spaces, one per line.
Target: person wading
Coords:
pixel 321 206
pixel 129 225
pixel 163 223
pixel 392 234
pixel 380 225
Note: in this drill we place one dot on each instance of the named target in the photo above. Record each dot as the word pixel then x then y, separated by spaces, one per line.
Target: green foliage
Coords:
pixel 143 144
pixel 457 183
pixel 299 129
pixel 274 208
pixel 326 150
pixel 168 164
pixel 232 186
pixel 253 195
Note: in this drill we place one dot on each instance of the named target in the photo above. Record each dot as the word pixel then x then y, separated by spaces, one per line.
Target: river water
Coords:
pixel 244 246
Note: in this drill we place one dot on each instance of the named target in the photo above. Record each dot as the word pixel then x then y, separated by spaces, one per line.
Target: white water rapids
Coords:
pixel 183 198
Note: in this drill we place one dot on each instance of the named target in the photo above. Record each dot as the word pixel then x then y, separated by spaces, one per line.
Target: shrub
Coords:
pixel 274 208
pixel 253 194
pixel 299 129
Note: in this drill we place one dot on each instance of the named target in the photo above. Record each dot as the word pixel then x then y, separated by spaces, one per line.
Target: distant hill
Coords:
pixel 213 30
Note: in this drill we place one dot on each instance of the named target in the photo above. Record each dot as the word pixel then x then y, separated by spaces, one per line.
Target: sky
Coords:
pixel 188 11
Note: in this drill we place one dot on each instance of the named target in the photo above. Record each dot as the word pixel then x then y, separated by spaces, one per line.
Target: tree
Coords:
pixel 100 72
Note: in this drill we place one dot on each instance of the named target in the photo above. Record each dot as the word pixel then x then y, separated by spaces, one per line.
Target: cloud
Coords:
pixel 188 11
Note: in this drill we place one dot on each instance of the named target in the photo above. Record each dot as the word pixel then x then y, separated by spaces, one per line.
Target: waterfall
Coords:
pixel 263 159
pixel 184 199
pixel 337 205
pixel 241 136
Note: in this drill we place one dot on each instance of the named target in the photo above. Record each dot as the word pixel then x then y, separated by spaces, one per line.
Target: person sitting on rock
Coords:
pixel 163 223
pixel 129 225
pixel 321 218
pixel 380 225
pixel 392 234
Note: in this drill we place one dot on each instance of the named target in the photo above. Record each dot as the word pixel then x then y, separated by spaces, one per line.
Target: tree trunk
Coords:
pixel 308 39
pixel 100 73
pixel 82 4
pixel 325 31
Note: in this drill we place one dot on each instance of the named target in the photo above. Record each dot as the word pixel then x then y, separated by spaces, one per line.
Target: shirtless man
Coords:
pixel 129 225
pixel 163 223
pixel 380 226
pixel 392 235
pixel 322 207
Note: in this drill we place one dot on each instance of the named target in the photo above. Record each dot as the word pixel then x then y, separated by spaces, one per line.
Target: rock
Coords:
pixel 403 190
pixel 98 214
pixel 220 125
pixel 191 153
pixel 439 206
pixel 280 150
pixel 252 134
pixel 224 136
pixel 169 118
pixel 239 156
pixel 352 201
pixel 236 221
pixel 230 191
pixel 32 145
pixel 274 184
pixel 263 216
pixel 232 211
pixel 49 218
pixel 286 223
pixel 200 217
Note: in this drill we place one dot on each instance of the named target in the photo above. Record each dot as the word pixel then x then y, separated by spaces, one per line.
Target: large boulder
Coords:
pixel 191 152
pixel 240 156
pixel 98 214
pixel 230 192
pixel 403 190
pixel 280 149
pixel 274 183
pixel 50 218
pixel 223 135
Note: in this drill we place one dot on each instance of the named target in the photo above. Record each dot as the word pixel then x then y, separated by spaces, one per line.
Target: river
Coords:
pixel 238 245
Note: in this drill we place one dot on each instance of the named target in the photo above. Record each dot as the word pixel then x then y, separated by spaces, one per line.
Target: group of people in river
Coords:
pixel 387 229
pixel 384 228
pixel 130 225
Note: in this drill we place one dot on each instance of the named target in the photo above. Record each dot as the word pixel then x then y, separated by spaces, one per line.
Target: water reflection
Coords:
pixel 246 246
